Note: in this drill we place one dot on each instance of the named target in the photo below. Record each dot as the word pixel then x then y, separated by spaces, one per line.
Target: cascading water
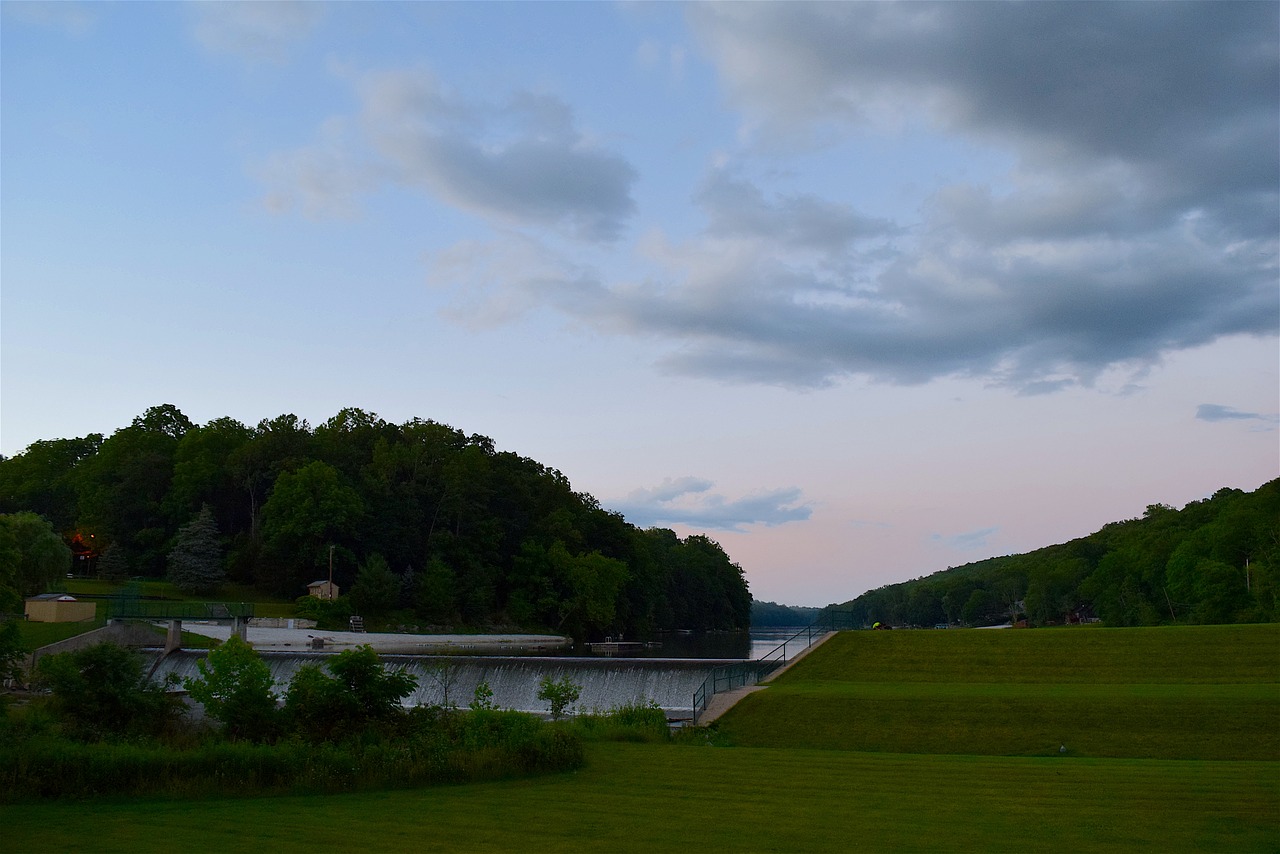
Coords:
pixel 606 683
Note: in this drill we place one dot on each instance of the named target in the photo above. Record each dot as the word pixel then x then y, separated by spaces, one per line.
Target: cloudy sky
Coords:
pixel 861 290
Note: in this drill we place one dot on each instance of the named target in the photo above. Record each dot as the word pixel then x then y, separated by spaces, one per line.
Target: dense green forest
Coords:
pixel 417 518
pixel 1213 561
pixel 765 614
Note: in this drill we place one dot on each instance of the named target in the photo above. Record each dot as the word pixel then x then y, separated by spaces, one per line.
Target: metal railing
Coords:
pixel 135 609
pixel 729 676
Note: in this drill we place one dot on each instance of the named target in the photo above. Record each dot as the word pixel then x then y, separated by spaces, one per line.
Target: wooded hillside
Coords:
pixel 1213 561
pixel 417 516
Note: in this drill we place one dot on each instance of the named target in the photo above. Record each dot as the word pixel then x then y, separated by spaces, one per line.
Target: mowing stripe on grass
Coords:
pixel 1203 692
pixel 667 798
pixel 1232 725
pixel 1169 654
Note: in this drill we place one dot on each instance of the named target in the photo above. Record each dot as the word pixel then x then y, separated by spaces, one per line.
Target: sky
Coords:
pixel 860 290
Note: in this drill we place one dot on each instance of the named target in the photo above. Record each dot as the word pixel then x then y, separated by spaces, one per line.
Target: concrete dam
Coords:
pixel 607 683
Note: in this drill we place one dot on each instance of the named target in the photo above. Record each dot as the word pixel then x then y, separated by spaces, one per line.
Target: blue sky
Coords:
pixel 861 290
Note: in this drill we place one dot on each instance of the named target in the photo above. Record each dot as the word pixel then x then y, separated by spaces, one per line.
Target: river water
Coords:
pixel 757 643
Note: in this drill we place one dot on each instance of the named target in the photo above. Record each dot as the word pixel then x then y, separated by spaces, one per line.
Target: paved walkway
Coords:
pixel 303 640
pixel 726 700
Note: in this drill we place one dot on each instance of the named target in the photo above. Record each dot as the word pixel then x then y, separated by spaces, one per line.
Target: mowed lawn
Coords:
pixel 1196 692
pixel 806 776
pixel 667 798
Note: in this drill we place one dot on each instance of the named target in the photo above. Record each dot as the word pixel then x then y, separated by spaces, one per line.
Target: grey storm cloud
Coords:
pixel 1142 217
pixel 523 163
pixel 737 208
pixel 689 501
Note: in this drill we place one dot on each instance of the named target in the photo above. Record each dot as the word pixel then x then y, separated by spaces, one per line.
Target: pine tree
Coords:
pixel 113 565
pixel 195 561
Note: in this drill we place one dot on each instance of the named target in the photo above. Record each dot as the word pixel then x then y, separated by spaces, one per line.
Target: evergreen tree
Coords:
pixel 377 588
pixel 113 566
pixel 195 561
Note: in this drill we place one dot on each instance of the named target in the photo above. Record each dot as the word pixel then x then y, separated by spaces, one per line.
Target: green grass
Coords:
pixel 1205 692
pixel 264 605
pixel 1173 654
pixel 35 635
pixel 930 741
pixel 648 798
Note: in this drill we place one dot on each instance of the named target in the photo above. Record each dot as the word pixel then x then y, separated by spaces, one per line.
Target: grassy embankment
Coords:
pixel 1194 692
pixel 969 790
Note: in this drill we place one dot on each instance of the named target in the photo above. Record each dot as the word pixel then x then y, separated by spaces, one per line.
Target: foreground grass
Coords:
pixel 667 798
pixel 1180 693
pixel 1204 692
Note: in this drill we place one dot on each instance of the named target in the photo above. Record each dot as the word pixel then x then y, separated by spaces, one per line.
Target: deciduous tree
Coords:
pixel 235 688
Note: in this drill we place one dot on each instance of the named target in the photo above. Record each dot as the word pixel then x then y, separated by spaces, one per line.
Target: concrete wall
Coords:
pixel 280 623
pixel 125 634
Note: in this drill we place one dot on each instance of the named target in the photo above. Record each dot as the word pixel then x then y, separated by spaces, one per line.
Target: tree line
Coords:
pixel 1213 561
pixel 416 518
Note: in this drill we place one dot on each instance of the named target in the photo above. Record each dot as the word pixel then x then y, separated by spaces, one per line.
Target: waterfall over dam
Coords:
pixel 606 682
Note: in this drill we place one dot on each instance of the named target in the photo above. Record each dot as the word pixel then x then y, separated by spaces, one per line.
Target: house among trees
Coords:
pixel 323 590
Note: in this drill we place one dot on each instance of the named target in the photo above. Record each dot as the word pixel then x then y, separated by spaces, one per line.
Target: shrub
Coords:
pixel 101 691
pixel 435 746
pixel 12 650
pixel 483 699
pixel 235 688
pixel 360 694
pixel 637 722
pixel 334 614
pixel 559 694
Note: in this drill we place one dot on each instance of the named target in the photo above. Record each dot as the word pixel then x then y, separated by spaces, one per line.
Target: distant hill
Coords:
pixel 1213 561
pixel 773 614
pixel 418 524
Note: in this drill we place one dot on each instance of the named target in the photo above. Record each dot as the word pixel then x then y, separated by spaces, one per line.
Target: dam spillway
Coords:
pixel 607 683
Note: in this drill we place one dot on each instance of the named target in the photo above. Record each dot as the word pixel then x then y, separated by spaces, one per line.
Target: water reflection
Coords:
pixel 756 643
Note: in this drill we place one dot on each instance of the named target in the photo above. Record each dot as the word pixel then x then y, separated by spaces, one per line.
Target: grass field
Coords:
pixel 1196 692
pixel 846 796
pixel 264 606
pixel 661 798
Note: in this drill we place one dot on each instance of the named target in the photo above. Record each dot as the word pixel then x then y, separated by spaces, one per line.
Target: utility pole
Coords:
pixel 329 592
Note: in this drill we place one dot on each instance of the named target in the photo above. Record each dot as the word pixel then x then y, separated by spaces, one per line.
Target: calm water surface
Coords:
pixel 754 644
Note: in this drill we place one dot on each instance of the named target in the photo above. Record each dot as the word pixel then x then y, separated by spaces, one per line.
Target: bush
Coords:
pixel 361 694
pixel 638 722
pixel 331 614
pixel 12 650
pixel 559 694
pixel 234 687
pixel 41 767
pixel 101 692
